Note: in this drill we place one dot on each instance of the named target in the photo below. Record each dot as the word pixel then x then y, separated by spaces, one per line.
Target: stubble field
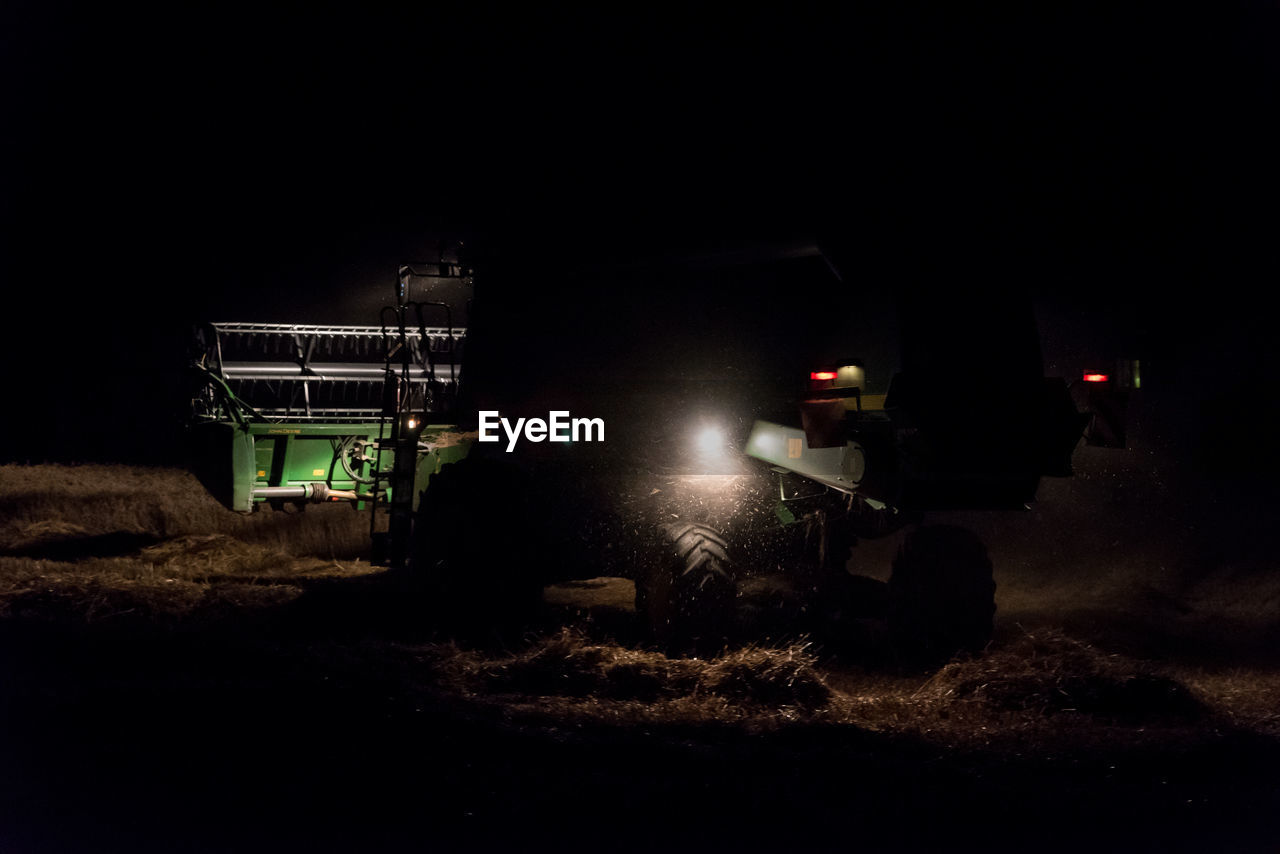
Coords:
pixel 176 677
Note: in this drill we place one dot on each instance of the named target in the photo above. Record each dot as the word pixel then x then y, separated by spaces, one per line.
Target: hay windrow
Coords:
pixel 1043 688
pixel 198 555
pixel 570 665
pixel 1048 673
pixel 45 505
pixel 45 530
pixel 112 590
pixel 184 577
pixel 769 676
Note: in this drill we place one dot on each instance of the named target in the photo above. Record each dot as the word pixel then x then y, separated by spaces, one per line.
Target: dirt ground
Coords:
pixel 179 679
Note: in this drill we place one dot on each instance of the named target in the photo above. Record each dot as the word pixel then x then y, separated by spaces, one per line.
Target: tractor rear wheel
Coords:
pixel 941 595
pixel 686 598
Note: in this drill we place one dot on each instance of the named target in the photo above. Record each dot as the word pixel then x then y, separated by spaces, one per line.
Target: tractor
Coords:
pixel 426 420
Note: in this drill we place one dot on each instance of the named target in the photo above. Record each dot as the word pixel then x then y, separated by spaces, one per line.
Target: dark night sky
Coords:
pixel 169 164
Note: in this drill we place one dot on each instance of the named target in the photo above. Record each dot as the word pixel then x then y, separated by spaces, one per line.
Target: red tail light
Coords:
pixel 1096 378
pixel 822 375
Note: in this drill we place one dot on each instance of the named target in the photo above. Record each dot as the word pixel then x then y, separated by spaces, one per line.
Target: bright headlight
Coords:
pixel 710 441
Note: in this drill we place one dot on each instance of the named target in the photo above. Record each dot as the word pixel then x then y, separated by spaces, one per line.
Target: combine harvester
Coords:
pixel 310 413
pixel 373 416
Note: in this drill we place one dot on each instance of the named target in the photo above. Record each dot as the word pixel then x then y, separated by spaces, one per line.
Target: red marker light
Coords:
pixel 822 375
pixel 1096 378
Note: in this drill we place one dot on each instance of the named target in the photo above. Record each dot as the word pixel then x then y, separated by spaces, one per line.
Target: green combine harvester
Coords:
pixel 324 413
pixel 375 416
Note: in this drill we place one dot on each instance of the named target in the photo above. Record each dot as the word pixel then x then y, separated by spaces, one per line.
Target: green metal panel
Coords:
pixel 787 447
pixel 327 386
pixel 264 456
pixel 295 454
pixel 232 459
pixel 221 459
pixel 265 428
pixel 242 477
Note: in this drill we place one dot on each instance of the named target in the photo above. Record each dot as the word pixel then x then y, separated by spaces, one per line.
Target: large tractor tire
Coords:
pixel 941 598
pixel 687 597
pixel 475 547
